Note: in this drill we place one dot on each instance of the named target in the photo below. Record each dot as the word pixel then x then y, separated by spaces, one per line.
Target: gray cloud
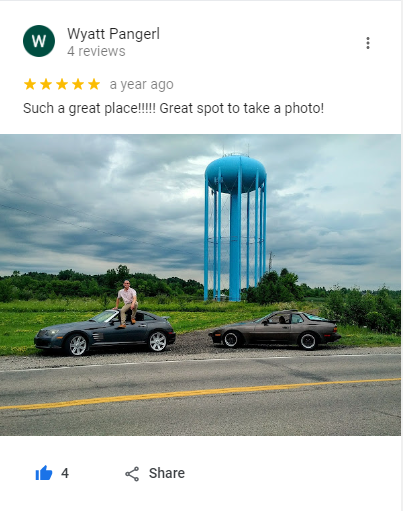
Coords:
pixel 93 202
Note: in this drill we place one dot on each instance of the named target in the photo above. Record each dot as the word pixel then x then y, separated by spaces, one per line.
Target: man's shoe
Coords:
pixel 123 325
pixel 133 321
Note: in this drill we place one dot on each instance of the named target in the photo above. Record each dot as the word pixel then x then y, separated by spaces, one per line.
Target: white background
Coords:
pixel 304 473
pixel 214 52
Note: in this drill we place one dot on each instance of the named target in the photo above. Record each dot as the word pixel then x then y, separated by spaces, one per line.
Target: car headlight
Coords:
pixel 53 331
pixel 47 332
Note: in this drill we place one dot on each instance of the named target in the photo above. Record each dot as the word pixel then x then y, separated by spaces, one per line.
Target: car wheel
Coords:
pixel 157 341
pixel 308 341
pixel 232 339
pixel 75 345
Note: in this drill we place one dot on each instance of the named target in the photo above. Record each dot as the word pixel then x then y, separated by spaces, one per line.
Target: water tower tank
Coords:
pixel 229 167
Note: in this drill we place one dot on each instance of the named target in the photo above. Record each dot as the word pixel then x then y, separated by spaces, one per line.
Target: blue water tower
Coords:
pixel 242 178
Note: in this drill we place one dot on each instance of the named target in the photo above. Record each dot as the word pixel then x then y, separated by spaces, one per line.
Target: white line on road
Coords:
pixel 196 360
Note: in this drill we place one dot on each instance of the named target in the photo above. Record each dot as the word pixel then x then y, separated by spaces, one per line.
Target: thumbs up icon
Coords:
pixel 43 474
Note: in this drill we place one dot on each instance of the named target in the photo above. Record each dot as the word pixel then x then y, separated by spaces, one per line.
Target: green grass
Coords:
pixel 21 320
pixel 356 336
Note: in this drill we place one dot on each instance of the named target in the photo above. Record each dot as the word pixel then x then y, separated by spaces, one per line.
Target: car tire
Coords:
pixel 308 341
pixel 75 345
pixel 232 339
pixel 157 341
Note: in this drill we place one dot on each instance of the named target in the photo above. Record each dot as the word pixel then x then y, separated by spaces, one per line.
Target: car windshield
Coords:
pixel 259 319
pixel 312 317
pixel 103 317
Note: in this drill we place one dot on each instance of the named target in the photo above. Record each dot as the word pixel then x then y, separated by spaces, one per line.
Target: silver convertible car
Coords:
pixel 287 326
pixel 103 331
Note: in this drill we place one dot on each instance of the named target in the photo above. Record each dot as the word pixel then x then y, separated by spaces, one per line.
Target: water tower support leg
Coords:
pixel 215 248
pixel 264 224
pixel 247 238
pixel 206 239
pixel 261 236
pixel 234 249
pixel 219 239
pixel 238 290
pixel 256 224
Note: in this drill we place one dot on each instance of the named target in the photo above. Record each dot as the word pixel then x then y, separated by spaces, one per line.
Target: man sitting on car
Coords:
pixel 129 297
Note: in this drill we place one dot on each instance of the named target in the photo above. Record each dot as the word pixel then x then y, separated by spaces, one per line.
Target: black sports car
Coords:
pixel 103 330
pixel 287 326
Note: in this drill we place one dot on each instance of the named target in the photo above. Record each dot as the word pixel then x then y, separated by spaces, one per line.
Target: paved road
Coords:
pixel 266 395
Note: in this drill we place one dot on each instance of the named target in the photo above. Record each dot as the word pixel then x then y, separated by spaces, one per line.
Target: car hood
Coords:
pixel 85 325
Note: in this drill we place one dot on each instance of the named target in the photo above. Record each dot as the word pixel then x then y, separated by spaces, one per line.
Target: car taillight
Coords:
pixel 335 329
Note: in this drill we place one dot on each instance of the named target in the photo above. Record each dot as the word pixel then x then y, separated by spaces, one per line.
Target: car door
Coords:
pixel 132 334
pixel 273 329
pixel 136 333
pixel 297 326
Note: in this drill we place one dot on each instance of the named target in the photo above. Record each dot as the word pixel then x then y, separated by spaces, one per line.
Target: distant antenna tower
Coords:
pixel 271 255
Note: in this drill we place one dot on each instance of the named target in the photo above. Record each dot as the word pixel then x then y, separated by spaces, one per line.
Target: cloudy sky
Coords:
pixel 90 203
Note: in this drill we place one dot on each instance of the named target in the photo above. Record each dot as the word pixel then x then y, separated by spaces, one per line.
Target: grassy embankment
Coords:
pixel 20 321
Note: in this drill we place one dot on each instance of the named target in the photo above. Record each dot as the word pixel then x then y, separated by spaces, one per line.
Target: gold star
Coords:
pixel 94 84
pixel 30 84
pixel 77 84
pixel 62 84
pixel 45 84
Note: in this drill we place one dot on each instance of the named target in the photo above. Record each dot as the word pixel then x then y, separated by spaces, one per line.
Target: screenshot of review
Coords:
pixel 200 255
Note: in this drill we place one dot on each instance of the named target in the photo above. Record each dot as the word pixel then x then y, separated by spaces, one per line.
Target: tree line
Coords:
pixel 379 311
pixel 69 283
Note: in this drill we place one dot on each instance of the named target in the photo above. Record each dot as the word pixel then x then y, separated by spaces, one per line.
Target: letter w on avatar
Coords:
pixel 41 42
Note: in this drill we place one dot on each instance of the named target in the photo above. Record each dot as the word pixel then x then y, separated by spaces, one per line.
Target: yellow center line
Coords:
pixel 184 393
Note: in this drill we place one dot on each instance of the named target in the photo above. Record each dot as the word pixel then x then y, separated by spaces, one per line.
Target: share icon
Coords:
pixel 130 474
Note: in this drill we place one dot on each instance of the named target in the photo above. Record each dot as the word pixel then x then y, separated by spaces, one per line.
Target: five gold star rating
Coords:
pixel 62 84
